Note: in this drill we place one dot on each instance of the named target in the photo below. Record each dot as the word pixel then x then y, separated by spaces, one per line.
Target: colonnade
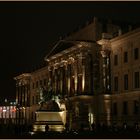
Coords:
pixel 68 76
pixel 106 73
pixel 22 100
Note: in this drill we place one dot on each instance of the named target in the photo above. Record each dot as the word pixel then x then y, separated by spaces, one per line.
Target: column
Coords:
pixel 68 78
pixel 72 80
pixel 28 102
pixel 105 53
pixel 24 94
pixel 61 77
pixel 18 102
pixel 56 82
pixel 28 95
pixel 79 74
pixel 90 73
pixel 106 70
pixel 53 81
pixel 83 74
pixel 49 85
pixel 17 94
pixel 75 77
pixel 59 80
pixel 64 89
pixel 72 76
pixel 20 94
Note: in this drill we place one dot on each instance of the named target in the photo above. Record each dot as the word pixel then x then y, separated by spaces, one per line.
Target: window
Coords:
pixel 136 107
pixel 36 84
pixel 36 99
pixel 115 59
pixel 136 53
pixel 33 85
pixel 40 82
pixel 136 80
pixel 44 82
pixel 115 83
pixel 32 115
pixel 125 108
pixel 126 82
pixel 115 111
pixel 33 100
pixel 125 57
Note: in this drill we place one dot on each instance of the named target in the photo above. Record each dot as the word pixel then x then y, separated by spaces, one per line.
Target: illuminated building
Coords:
pixel 82 75
pixel 124 52
pixel 23 98
pixel 8 112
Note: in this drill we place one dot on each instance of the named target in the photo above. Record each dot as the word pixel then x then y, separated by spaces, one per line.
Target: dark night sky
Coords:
pixel 27 30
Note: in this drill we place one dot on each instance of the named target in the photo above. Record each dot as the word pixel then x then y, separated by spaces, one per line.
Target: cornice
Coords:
pixel 21 76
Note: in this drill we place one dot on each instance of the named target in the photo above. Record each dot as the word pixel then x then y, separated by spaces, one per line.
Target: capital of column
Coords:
pixel 49 68
pixel 81 56
pixel 71 60
pixel 105 53
pixel 55 65
pixel 105 47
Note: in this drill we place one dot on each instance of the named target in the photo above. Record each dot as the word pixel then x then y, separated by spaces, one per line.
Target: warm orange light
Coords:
pixel 13 110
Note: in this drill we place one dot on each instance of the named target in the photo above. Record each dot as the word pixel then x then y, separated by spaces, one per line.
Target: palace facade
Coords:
pixel 93 74
pixel 125 76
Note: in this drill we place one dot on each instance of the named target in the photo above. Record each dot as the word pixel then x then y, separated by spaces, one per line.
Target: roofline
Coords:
pixel 52 50
pixel 130 33
pixel 38 70
pixel 22 76
pixel 76 42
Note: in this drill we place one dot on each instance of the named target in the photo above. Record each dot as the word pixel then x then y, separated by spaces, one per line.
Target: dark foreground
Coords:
pixel 103 134
pixel 87 135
